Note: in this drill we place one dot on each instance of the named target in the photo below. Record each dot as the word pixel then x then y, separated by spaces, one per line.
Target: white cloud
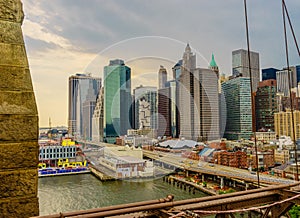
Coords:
pixel 50 70
pixel 37 31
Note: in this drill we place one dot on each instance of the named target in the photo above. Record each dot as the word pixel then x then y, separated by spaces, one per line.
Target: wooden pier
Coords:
pixel 100 175
pixel 187 185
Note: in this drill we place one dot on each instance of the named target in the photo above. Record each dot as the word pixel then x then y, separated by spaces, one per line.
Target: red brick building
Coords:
pixel 236 159
pixel 265 159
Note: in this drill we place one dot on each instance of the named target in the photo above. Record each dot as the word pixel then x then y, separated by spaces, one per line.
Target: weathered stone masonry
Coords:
pixel 18 119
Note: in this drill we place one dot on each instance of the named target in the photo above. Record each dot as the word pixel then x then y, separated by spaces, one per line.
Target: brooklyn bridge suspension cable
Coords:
pixel 284 12
pixel 251 91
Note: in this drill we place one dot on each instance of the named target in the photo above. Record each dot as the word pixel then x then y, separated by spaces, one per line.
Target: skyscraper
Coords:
pixel 238 108
pixel 162 77
pixel 268 73
pixel 87 114
pixel 148 96
pixel 298 73
pixel 177 70
pixel 282 79
pixel 240 65
pixel 186 94
pixel 98 118
pixel 117 100
pixel 283 123
pixel 163 109
pixel 82 88
pixel 198 100
pixel 206 97
pixel 265 105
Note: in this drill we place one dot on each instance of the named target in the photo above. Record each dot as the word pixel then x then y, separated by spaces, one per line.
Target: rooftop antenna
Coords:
pixel 50 128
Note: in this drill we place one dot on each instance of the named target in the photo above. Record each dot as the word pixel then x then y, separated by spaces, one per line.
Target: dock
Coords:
pixel 187 185
pixel 99 174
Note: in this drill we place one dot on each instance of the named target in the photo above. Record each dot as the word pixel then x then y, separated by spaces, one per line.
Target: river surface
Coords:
pixel 80 192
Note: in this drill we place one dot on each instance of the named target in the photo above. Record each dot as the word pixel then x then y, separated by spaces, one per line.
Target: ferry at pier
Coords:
pixel 63 168
pixel 61 157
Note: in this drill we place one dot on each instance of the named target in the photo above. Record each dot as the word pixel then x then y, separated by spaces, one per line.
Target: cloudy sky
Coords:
pixel 64 37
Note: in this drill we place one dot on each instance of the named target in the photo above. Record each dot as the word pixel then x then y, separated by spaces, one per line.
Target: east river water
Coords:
pixel 80 192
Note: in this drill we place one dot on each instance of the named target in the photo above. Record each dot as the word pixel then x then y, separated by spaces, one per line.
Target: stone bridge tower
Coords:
pixel 18 119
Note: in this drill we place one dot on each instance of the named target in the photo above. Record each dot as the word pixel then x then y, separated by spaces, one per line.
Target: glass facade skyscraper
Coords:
pixel 240 65
pixel 265 105
pixel 238 108
pixel 117 100
pixel 298 73
pixel 83 90
pixel 268 73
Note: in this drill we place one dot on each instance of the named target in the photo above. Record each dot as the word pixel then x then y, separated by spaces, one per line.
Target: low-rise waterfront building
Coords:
pixel 126 162
pixel 128 167
pixel 179 144
pixel 151 133
pixel 236 159
pixel 281 156
pixel 265 159
pixel 265 137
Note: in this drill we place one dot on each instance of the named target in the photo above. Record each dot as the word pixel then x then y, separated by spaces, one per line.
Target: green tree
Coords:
pixel 295 211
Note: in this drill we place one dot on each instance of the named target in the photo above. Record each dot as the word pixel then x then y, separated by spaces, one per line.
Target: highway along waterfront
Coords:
pixel 80 192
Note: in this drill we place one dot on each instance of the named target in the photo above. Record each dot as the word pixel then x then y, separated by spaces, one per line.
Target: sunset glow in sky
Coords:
pixel 64 37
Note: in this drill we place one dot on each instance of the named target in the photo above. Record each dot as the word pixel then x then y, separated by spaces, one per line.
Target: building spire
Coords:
pixel 213 63
pixel 188 48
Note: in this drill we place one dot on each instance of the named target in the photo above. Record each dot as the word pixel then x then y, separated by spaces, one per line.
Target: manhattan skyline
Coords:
pixel 64 37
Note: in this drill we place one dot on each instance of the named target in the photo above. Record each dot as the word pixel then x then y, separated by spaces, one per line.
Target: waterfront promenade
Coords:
pixel 214 169
pixel 168 163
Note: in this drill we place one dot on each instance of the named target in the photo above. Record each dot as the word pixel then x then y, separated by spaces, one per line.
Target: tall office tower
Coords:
pixel 163 104
pixel 186 94
pixel 162 77
pixel 206 96
pixel 79 86
pixel 87 114
pixel 174 97
pixel 97 120
pixel 117 100
pixel 265 105
pixel 268 73
pixel 177 70
pixel 298 73
pixel 283 123
pixel 221 100
pixel 145 107
pixel 163 109
pixel 198 100
pixel 238 108
pixel 173 104
pixel 282 79
pixel 240 66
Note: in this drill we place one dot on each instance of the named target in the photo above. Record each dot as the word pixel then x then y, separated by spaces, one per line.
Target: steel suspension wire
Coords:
pixel 291 27
pixel 251 91
pixel 290 88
